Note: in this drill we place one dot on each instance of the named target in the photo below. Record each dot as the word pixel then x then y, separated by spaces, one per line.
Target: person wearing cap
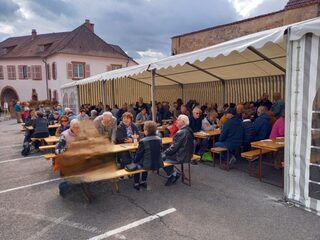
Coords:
pixel 181 150
pixel 231 134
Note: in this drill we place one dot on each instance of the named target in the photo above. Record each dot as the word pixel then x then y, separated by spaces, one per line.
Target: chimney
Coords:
pixel 33 33
pixel 89 25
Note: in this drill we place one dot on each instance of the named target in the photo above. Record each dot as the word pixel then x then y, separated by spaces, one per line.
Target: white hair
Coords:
pixel 67 110
pixel 184 118
pixel 74 122
pixel 107 114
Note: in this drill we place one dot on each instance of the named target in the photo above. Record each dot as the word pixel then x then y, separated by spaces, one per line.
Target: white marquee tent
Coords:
pixel 292 50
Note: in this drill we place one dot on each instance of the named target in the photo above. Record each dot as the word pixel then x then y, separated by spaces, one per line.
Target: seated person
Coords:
pixel 181 150
pixel 66 138
pixel 106 125
pixel 93 114
pixel 148 155
pixel 64 125
pixel 142 116
pixel 210 122
pixel 53 119
pixel 195 124
pixel 126 132
pixel 40 126
pixel 278 127
pixel 82 115
pixel 249 130
pixel 262 124
pixel 231 134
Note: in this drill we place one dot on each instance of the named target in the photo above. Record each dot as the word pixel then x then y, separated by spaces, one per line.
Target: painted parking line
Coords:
pixel 133 225
pixel 10 146
pixel 30 185
pixel 20 159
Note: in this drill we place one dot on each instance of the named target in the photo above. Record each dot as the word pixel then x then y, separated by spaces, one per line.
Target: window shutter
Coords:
pixel 109 68
pixel 39 72
pixel 54 71
pixel 69 71
pixel 1 73
pixel 20 70
pixel 29 72
pixel 87 74
pixel 48 69
pixel 14 75
pixel 33 72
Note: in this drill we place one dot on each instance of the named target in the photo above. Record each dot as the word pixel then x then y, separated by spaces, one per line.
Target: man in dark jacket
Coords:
pixel 127 132
pixel 231 135
pixel 181 150
pixel 262 124
pixel 148 155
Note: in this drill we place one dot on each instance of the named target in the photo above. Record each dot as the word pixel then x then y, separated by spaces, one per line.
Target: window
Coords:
pixel 36 72
pixel 1 73
pixel 23 71
pixel 11 72
pixel 115 66
pixel 315 132
pixel 78 70
pixel 54 71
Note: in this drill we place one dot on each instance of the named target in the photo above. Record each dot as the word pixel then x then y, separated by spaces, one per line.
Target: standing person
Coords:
pixel 106 125
pixel 18 109
pixel 148 155
pixel 262 124
pixel 5 108
pixel 263 101
pixel 126 132
pixel 278 105
pixel 140 105
pixel 181 150
pixel 231 134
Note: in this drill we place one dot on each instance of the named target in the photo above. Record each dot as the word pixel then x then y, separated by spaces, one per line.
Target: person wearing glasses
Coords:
pixel 64 125
pixel 196 126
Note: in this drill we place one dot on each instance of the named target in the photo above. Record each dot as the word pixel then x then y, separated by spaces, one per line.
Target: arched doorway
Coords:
pixel 10 95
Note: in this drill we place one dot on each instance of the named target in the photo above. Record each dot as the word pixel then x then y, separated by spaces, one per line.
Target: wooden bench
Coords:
pixel 47 147
pixel 109 171
pixel 220 150
pixel 251 156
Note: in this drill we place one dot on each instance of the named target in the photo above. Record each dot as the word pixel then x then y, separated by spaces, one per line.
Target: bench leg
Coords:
pixel 86 192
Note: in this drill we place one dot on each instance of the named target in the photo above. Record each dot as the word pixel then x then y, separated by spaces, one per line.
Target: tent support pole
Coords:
pixel 78 92
pixel 153 78
pixel 113 96
pixel 104 95
pixel 264 57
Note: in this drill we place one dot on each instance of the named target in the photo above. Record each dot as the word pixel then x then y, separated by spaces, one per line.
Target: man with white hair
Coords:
pixel 181 150
pixel 106 125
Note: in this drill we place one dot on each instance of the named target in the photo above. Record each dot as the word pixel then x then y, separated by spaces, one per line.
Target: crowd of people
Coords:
pixel 240 124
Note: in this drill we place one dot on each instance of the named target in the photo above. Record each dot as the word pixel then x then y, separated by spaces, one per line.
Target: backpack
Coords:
pixel 25 149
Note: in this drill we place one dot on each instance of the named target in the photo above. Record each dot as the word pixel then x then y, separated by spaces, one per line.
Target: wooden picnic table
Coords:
pixel 51 140
pixel 273 145
pixel 207 134
pixel 30 128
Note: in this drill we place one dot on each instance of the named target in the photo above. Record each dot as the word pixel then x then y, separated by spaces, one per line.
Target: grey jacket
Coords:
pixel 108 131
pixel 181 150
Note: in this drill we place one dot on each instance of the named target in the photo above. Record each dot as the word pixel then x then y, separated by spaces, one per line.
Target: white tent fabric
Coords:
pixel 302 84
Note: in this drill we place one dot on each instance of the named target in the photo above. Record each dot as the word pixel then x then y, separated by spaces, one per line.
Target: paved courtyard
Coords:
pixel 219 205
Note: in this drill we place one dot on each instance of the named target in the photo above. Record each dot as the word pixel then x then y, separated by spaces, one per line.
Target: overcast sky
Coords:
pixel 142 28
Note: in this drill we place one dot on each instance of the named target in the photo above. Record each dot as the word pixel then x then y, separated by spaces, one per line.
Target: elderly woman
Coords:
pixel 126 132
pixel 148 155
pixel 64 125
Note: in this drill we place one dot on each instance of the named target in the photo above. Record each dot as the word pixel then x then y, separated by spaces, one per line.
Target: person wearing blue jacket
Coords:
pixel 262 124
pixel 231 134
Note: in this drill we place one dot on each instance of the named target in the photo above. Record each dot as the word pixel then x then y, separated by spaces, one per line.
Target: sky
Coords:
pixel 142 28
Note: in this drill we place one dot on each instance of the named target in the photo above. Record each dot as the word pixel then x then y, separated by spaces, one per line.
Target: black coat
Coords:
pixel 181 150
pixel 149 153
pixel 121 134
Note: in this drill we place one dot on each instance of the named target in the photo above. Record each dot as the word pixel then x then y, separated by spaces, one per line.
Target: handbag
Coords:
pixel 131 167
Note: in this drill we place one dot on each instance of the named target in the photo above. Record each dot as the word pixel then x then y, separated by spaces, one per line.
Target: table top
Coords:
pixel 269 144
pixel 50 126
pixel 206 134
pixel 51 140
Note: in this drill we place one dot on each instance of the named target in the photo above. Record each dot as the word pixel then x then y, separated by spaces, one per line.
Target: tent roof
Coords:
pixel 255 55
